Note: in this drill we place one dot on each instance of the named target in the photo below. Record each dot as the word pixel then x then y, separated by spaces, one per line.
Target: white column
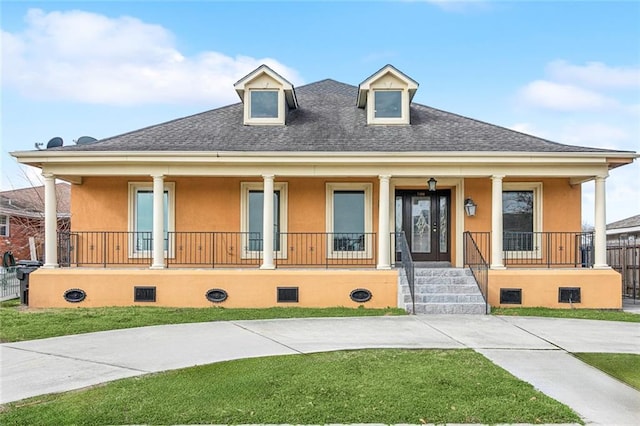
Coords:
pixel 384 235
pixel 50 222
pixel 600 231
pixel 158 222
pixel 267 224
pixel 496 222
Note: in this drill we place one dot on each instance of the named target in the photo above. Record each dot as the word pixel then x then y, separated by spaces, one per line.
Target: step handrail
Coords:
pixel 478 266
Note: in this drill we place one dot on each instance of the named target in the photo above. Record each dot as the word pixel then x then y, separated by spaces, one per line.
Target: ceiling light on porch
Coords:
pixel 432 184
pixel 470 207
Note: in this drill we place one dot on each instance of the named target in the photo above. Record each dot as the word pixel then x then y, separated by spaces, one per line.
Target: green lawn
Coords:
pixel 17 324
pixel 624 367
pixel 593 314
pixel 368 386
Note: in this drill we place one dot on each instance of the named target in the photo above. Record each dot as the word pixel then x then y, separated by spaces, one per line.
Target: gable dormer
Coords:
pixel 267 97
pixel 386 96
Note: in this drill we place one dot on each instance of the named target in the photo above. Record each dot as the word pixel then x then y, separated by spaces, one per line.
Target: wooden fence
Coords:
pixel 624 257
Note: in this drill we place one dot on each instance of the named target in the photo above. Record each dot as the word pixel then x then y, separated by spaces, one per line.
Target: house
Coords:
pixel 313 195
pixel 22 219
pixel 624 231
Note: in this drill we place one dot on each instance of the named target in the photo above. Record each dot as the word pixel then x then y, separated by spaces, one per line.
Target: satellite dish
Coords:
pixel 54 142
pixel 83 140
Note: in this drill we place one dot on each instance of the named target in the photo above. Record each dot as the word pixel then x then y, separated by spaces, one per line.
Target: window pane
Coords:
pixel 421 224
pixel 144 218
pixel 264 104
pixel 256 215
pixel 444 226
pixel 4 222
pixel 388 104
pixel 348 220
pixel 517 220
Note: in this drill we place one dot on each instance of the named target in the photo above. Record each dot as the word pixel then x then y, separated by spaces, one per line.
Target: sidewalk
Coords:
pixel 534 349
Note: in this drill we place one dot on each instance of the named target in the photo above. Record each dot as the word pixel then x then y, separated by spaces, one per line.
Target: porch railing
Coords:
pixel 477 262
pixel 325 249
pixel 217 249
pixel 548 249
pixel 402 248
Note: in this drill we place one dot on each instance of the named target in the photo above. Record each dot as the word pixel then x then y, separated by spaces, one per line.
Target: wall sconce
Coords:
pixel 470 207
pixel 432 184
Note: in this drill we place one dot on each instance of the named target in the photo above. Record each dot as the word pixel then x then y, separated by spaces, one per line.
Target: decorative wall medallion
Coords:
pixel 74 295
pixel 216 295
pixel 360 295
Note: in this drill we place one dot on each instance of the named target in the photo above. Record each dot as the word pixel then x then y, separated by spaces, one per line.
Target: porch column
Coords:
pixel 50 222
pixel 383 224
pixel 158 222
pixel 496 222
pixel 600 231
pixel 267 224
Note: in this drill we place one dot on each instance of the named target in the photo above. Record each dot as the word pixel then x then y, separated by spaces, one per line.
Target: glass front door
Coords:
pixel 424 218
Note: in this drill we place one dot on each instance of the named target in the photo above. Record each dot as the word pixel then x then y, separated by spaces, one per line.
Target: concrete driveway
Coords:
pixel 536 350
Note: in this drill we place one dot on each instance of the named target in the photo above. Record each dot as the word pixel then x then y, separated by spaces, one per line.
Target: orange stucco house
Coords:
pixel 326 195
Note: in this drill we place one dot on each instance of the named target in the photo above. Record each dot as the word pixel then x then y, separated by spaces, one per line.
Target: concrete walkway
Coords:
pixel 534 349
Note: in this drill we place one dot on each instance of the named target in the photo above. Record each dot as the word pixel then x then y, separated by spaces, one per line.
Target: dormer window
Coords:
pixel 264 103
pixel 267 97
pixel 386 96
pixel 388 103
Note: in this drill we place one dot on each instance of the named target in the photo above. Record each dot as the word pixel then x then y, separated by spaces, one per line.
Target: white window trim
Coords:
pixel 279 120
pixel 245 187
pixel 5 226
pixel 403 119
pixel 367 187
pixel 170 187
pixel 536 187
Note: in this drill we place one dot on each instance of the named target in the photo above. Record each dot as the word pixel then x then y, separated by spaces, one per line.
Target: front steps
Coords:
pixel 441 291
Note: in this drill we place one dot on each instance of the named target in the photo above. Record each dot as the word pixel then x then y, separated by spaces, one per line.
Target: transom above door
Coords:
pixel 425 219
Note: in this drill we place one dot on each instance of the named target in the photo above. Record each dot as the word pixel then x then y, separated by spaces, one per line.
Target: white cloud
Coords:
pixel 594 74
pixel 529 129
pixel 564 97
pixel 91 58
pixel 595 134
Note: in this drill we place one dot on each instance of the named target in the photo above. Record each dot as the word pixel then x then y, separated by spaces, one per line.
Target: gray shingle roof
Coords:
pixel 327 120
pixel 625 223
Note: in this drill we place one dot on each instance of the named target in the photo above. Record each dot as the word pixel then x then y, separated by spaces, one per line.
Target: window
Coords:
pixel 349 218
pixel 388 104
pixel 141 217
pixel 521 217
pixel 4 226
pixel 253 212
pixel 264 104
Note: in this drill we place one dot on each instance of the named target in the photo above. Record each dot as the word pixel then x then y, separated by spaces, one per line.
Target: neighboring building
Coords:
pixel 22 219
pixel 299 196
pixel 624 231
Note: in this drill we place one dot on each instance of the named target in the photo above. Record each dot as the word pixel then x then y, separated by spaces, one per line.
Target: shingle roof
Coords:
pixel 327 121
pixel 625 223
pixel 30 201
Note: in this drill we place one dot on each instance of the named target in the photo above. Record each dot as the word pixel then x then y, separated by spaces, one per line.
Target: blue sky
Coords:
pixel 566 71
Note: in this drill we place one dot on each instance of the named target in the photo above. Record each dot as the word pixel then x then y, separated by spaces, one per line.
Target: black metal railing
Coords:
pixel 548 249
pixel 214 249
pixel 402 251
pixel 103 248
pixel 217 249
pixel 477 262
pixel 326 249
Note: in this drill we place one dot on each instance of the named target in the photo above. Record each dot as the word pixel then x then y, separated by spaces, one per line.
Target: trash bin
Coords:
pixel 24 269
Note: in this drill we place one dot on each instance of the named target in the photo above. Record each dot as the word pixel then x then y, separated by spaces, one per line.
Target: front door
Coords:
pixel 424 217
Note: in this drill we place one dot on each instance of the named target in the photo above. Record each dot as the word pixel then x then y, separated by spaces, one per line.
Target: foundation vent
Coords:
pixel 288 294
pixel 511 296
pixel 569 295
pixel 144 294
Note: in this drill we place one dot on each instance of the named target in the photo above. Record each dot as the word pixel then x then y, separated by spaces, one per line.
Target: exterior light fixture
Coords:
pixel 470 207
pixel 432 184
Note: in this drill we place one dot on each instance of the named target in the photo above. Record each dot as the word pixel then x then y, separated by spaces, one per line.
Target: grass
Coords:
pixel 624 367
pixel 592 314
pixel 368 386
pixel 19 324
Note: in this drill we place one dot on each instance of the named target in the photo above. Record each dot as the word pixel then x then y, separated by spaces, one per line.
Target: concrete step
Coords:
pixel 449 308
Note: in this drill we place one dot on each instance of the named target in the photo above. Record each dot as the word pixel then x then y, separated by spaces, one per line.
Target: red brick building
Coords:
pixel 22 217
